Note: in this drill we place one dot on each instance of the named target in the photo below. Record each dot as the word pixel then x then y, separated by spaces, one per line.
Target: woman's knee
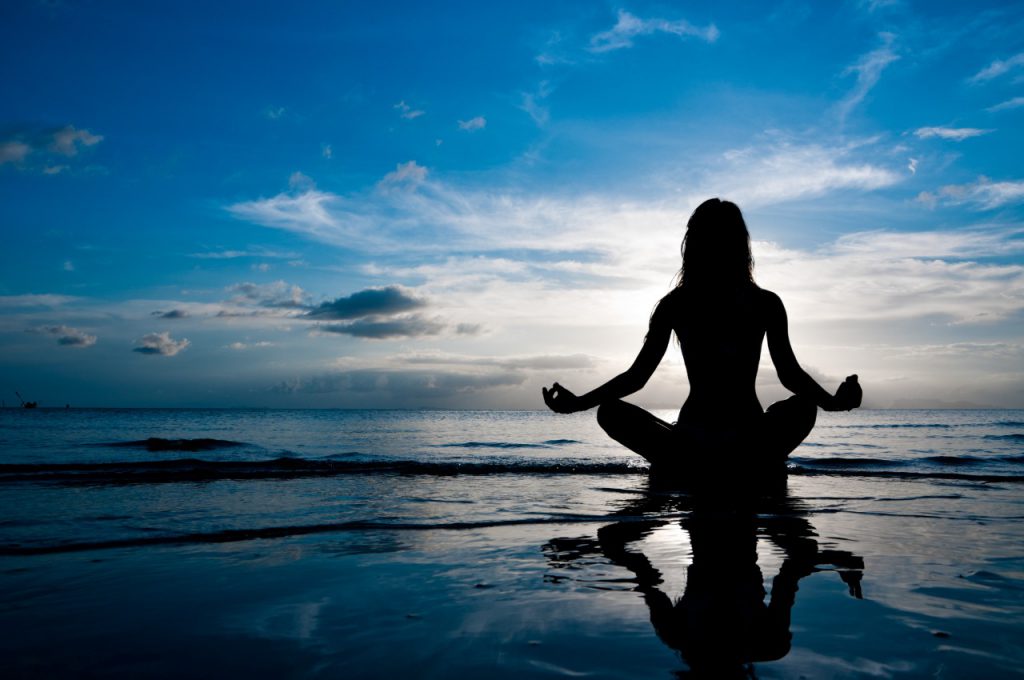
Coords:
pixel 609 414
pixel 798 408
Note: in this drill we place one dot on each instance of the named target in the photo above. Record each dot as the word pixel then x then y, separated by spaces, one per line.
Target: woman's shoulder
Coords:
pixel 770 303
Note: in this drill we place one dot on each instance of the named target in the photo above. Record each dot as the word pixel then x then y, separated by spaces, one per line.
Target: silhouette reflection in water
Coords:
pixel 722 623
pixel 721 318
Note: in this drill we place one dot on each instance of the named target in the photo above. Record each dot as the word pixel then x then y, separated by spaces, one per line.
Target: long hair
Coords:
pixel 716 248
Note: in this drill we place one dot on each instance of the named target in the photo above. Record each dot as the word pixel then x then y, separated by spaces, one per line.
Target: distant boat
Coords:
pixel 26 404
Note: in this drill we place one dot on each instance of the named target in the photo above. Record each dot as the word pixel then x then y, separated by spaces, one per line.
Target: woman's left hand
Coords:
pixel 849 395
pixel 561 400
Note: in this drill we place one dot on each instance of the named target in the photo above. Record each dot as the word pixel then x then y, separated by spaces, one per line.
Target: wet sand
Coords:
pixel 872 578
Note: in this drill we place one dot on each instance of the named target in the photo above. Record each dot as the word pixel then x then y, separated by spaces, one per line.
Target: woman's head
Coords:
pixel 716 247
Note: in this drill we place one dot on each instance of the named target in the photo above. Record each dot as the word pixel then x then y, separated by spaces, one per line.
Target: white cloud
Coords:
pixel 232 254
pixel 472 124
pixel 69 266
pixel 277 295
pixel 1014 103
pixel 318 214
pixel 912 166
pixel 68 140
pixel 327 151
pixel 161 344
pixel 868 70
pixel 407 112
pixel 630 26
pixel 984 194
pixel 14 152
pixel 409 173
pixel 428 215
pixel 531 103
pixel 874 5
pixel 998 68
pixel 46 146
pixel 881 276
pixel 780 172
pixel 955 134
pixel 35 300
pixel 68 336
pixel 240 346
pixel 298 181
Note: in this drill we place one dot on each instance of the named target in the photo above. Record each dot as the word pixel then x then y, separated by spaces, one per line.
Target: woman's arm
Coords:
pixel 791 375
pixel 561 400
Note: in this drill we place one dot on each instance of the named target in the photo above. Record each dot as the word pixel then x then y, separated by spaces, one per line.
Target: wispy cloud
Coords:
pixel 319 214
pixel 868 70
pixel 39 149
pixel 984 194
pixel 253 252
pixel 544 362
pixel 955 134
pixel 629 26
pixel 477 123
pixel 880 276
pixel 875 5
pixel 1014 103
pixel 160 344
pixel 998 68
pixel 68 336
pixel 44 300
pixel 410 208
pixel 531 103
pixel 783 171
pixel 241 346
pixel 407 112
pixel 425 386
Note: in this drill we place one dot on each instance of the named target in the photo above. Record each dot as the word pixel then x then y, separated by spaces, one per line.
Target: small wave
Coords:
pixel 196 470
pixel 847 462
pixel 256 533
pixel 883 426
pixel 494 445
pixel 1010 423
pixel 906 474
pixel 1013 437
pixel 561 442
pixel 954 460
pixel 1012 459
pixel 161 444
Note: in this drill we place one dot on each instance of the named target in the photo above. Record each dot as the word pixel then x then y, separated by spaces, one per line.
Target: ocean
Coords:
pixel 372 543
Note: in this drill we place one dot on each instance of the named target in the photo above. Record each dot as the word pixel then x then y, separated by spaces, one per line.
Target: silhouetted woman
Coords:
pixel 721 318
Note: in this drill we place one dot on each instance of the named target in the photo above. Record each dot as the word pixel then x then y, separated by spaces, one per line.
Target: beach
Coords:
pixel 505 544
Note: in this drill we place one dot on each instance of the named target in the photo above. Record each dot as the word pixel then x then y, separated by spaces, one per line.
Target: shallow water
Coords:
pixel 378 543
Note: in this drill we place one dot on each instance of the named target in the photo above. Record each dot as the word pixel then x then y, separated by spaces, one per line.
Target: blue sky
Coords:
pixel 451 204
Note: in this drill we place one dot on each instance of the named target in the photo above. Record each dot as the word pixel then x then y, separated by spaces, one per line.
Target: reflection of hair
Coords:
pixel 716 248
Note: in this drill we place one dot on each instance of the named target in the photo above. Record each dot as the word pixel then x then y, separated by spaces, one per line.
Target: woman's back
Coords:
pixel 720 333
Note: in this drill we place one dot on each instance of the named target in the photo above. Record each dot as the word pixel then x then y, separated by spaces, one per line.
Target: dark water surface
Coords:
pixel 205 543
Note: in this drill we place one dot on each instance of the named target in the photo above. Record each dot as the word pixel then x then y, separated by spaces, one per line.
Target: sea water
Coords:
pixel 316 542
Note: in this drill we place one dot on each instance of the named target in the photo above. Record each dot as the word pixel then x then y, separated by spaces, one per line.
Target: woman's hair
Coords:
pixel 716 247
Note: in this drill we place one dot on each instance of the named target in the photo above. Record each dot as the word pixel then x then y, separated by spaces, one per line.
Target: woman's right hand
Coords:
pixel 561 400
pixel 848 396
